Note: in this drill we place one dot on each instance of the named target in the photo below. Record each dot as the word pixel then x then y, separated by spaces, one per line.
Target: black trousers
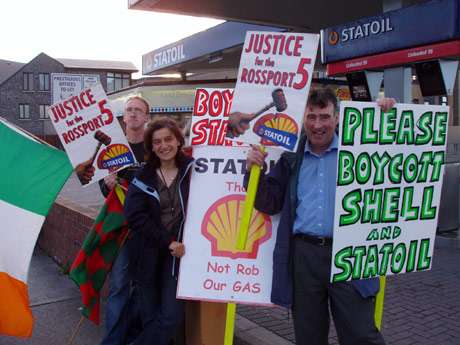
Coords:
pixel 313 295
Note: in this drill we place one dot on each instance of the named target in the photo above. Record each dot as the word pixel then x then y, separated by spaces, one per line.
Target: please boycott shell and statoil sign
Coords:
pixel 389 179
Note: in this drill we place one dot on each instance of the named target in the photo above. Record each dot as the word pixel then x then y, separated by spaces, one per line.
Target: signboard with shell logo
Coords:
pixel 213 269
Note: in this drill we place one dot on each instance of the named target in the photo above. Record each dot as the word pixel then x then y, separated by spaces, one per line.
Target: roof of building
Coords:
pixel 98 64
pixel 8 68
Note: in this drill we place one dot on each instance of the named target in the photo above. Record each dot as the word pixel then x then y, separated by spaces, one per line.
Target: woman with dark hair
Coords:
pixel 155 211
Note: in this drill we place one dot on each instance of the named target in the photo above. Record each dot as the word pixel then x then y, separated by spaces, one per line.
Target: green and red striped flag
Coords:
pixel 99 250
pixel 32 174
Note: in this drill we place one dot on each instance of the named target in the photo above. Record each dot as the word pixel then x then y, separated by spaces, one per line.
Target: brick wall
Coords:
pixel 64 230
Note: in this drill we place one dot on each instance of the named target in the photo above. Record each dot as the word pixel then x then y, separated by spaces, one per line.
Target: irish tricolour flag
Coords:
pixel 31 176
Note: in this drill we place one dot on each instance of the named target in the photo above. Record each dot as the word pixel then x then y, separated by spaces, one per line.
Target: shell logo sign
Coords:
pixel 279 129
pixel 114 156
pixel 221 224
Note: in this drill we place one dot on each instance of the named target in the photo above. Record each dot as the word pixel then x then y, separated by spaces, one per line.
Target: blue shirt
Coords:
pixel 316 192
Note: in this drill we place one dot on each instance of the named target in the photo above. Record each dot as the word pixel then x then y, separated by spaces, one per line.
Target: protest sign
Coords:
pixel 210 117
pixel 213 269
pixel 65 85
pixel 390 171
pixel 273 82
pixel 90 133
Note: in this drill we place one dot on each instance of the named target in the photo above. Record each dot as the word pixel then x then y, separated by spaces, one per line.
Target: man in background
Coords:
pixel 118 319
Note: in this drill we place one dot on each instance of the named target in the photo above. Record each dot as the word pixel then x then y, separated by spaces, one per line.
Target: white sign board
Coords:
pixel 212 268
pixel 273 83
pixel 389 179
pixel 65 85
pixel 90 133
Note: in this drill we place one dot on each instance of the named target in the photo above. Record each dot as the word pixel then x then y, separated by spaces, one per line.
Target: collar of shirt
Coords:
pixel 334 145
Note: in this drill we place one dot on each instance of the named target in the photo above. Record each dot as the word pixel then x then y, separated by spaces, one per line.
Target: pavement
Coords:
pixel 421 308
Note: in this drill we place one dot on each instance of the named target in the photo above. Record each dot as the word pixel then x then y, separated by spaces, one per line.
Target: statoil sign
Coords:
pixel 421 24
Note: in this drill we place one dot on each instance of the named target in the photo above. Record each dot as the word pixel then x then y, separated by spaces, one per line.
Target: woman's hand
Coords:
pixel 176 249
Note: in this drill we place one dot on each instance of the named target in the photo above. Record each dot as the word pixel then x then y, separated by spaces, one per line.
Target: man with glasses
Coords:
pixel 118 319
pixel 302 187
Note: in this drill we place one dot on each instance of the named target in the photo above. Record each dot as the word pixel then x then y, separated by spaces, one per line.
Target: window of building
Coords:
pixel 117 81
pixel 24 111
pixel 44 82
pixel 28 81
pixel 44 111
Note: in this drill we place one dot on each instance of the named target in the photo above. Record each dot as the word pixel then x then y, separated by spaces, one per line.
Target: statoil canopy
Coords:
pixel 421 24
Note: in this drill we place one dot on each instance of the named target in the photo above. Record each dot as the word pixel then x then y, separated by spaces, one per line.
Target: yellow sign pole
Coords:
pixel 378 315
pixel 242 240
pixel 230 323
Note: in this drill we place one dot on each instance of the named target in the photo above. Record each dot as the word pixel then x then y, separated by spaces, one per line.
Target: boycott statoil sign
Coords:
pixel 389 179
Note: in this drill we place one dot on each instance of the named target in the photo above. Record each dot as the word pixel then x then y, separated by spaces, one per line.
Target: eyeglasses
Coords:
pixel 136 111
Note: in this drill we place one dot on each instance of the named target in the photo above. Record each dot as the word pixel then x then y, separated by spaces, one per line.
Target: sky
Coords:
pixel 88 29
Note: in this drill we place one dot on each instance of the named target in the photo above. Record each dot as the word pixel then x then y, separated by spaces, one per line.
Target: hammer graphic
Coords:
pixel 102 138
pixel 279 102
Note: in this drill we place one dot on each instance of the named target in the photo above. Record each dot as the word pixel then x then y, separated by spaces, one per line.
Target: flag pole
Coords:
pixel 75 332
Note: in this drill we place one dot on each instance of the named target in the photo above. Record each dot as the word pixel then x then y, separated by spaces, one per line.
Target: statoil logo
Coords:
pixel 362 30
pixel 114 157
pixel 277 130
pixel 333 38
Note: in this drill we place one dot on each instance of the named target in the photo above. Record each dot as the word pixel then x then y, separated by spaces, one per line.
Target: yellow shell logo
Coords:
pixel 221 224
pixel 114 156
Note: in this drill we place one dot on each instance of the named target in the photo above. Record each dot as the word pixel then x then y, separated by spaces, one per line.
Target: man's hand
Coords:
pixel 255 156
pixel 110 181
pixel 238 123
pixel 386 103
pixel 176 249
pixel 85 171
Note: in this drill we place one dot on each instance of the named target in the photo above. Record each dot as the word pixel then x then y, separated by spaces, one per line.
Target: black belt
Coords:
pixel 319 241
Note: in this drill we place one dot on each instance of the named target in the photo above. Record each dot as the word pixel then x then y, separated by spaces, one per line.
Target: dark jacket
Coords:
pixel 277 192
pixel 142 211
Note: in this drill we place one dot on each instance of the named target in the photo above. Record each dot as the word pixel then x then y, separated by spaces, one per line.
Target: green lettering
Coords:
pixel 407 210
pixel 406 128
pixel 351 121
pixel 371 265
pixel 390 205
pixel 342 262
pixel 363 168
pixel 379 164
pixel 410 168
pixel 424 260
pixel 438 161
pixel 411 256
pixel 358 253
pixel 372 206
pixel 373 235
pixel 398 258
pixel 345 172
pixel 424 125
pixel 385 251
pixel 387 127
pixel 351 206
pixel 427 211
pixel 393 170
pixel 368 135
pixel 440 128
